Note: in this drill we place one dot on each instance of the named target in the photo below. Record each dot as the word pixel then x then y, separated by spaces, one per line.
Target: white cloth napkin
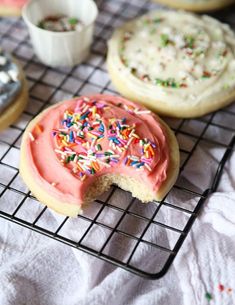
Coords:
pixel 38 270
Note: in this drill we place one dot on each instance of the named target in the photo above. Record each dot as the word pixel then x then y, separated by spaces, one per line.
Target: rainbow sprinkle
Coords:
pixel 79 139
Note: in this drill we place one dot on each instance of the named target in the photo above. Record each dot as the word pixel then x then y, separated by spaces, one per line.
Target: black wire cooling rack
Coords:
pixel 133 220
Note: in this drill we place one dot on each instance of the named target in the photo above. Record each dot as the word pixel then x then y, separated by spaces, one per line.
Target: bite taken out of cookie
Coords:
pixel 176 63
pixel 73 151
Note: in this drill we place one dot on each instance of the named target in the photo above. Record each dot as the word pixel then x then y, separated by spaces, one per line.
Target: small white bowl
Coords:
pixel 61 48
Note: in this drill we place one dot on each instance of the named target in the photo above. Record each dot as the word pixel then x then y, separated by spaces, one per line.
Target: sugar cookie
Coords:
pixel 175 63
pixel 73 151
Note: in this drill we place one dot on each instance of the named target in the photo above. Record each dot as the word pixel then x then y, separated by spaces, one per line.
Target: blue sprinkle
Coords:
pixel 112 138
pixel 84 115
pixel 134 163
pixel 140 165
pixel 71 137
pixel 101 128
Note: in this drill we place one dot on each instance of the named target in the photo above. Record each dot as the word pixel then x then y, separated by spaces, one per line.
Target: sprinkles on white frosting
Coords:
pixel 168 53
pixel 177 63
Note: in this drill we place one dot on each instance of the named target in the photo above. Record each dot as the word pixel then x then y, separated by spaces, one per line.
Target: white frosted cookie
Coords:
pixel 197 5
pixel 175 63
pixel 13 90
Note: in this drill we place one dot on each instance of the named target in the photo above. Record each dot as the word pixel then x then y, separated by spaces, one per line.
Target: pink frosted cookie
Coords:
pixel 73 151
pixel 11 7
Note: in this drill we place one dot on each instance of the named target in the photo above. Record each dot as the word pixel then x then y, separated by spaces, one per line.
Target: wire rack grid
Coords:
pixel 131 227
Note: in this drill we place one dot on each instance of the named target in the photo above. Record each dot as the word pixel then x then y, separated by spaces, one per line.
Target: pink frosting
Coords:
pixel 13 3
pixel 58 179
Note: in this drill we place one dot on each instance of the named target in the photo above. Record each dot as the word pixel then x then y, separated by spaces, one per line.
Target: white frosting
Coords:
pixel 178 54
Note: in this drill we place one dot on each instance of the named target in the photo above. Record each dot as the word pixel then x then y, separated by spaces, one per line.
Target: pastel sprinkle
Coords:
pixel 84 128
pixel 31 136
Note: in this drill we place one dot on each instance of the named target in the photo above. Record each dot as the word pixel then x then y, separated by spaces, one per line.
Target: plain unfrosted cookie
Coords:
pixel 197 5
pixel 73 151
pixel 176 63
pixel 13 90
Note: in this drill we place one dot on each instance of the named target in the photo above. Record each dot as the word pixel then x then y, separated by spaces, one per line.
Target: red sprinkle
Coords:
pixel 221 287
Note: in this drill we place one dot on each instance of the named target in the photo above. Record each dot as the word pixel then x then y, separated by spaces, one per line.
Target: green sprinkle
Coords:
pixel 189 39
pixel 146 22
pixel 92 171
pixel 157 20
pixel 198 52
pixel 67 160
pixel 73 21
pixel 208 296
pixel 107 153
pixel 41 25
pixel 164 40
pixel 158 81
pixel 226 86
pixel 99 147
pixel 72 157
pixel 122 49
pixel 170 82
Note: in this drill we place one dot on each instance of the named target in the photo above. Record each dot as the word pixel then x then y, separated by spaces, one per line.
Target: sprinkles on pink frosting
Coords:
pixel 79 140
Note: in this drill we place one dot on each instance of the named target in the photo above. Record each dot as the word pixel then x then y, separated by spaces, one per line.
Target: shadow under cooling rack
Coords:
pixel 141 238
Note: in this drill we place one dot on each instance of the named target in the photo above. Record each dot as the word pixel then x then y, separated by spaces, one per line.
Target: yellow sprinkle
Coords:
pixel 64 142
pixel 94 109
pixel 92 135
